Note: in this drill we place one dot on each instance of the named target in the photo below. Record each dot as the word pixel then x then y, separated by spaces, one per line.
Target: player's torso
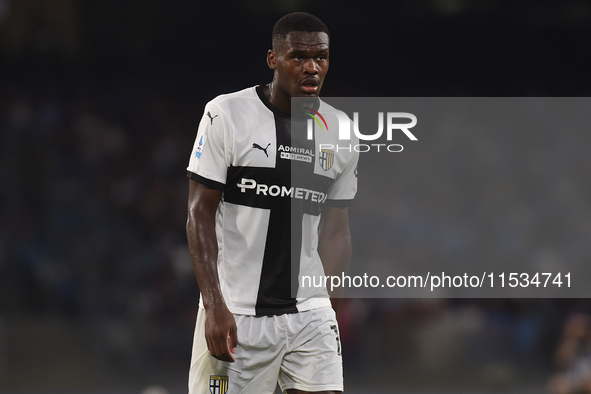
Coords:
pixel 277 182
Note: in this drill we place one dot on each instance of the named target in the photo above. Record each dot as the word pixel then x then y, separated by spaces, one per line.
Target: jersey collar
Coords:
pixel 277 111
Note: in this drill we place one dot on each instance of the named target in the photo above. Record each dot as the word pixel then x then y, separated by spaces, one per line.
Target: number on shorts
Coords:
pixel 336 333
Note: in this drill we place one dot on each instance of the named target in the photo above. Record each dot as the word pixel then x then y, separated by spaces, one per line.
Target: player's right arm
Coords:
pixel 220 326
pixel 207 171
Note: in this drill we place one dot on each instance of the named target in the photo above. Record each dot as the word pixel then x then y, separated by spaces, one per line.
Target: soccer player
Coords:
pixel 266 204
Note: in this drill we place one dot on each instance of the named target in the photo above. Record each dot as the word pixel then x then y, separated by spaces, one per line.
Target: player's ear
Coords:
pixel 272 59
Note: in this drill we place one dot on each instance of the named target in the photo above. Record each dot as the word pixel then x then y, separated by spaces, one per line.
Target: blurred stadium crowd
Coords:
pixel 93 222
pixel 96 285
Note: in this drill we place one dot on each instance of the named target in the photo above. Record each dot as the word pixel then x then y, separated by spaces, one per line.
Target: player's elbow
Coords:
pixel 191 225
pixel 341 237
pixel 338 243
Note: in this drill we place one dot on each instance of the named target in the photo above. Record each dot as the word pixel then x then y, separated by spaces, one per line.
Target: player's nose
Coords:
pixel 310 66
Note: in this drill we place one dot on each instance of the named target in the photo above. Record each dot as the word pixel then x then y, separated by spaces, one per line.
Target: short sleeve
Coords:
pixel 209 161
pixel 344 188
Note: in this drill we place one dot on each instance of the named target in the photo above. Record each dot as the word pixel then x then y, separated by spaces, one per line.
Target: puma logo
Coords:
pixel 210 117
pixel 257 146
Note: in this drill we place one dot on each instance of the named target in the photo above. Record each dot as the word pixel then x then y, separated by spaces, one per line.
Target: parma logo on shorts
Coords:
pixel 326 159
pixel 218 384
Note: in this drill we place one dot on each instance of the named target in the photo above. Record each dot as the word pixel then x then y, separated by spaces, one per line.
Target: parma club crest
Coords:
pixel 218 384
pixel 325 159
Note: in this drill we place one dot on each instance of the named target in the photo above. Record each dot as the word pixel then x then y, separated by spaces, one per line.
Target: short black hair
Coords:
pixel 297 21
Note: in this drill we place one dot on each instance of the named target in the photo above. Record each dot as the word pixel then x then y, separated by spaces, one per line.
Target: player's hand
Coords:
pixel 220 333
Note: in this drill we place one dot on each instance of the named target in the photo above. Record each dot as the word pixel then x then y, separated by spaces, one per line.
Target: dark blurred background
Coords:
pixel 99 107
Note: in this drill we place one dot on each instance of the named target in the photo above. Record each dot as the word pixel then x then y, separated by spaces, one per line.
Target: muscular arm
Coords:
pixel 220 326
pixel 334 246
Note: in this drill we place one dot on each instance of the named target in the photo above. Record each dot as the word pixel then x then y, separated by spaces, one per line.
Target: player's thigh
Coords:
pixel 313 362
pixel 258 360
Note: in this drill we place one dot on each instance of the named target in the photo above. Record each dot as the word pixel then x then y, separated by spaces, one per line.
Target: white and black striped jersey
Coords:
pixel 275 181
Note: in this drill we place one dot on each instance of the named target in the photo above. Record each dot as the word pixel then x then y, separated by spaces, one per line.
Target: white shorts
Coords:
pixel 300 351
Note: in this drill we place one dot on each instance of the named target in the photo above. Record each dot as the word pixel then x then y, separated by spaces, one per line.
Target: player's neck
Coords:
pixel 280 100
pixel 275 97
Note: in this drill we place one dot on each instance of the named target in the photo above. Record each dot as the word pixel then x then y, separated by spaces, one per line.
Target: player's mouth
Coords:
pixel 310 85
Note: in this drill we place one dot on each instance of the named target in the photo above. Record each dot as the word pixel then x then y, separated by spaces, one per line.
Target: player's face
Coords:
pixel 301 62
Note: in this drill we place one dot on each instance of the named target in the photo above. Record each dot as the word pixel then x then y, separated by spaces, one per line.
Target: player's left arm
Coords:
pixel 334 237
pixel 334 246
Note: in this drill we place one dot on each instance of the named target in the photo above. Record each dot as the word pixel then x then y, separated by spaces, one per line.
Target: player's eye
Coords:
pixel 298 58
pixel 321 58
